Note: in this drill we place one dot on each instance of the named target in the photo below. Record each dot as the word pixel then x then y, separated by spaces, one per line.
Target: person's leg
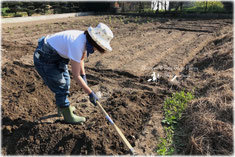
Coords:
pixel 59 82
pixel 39 66
pixel 62 94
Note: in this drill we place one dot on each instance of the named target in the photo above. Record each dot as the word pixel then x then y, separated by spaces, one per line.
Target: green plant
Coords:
pixel 110 20
pixel 136 19
pixel 104 20
pixel 173 108
pixel 164 147
pixel 4 11
pixel 96 22
pixel 62 26
pixel 175 105
pixel 37 26
pixel 121 20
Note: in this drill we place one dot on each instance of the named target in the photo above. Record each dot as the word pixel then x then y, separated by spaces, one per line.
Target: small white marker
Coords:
pixel 158 77
pixel 174 78
pixel 154 76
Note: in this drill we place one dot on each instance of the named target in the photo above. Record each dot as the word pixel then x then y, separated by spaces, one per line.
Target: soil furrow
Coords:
pixel 146 60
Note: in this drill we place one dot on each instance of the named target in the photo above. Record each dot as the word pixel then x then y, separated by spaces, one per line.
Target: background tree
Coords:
pixel 95 6
pixel 228 6
pixel 14 7
pixel 29 7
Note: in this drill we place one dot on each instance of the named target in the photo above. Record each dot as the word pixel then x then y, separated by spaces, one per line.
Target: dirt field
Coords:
pixel 141 46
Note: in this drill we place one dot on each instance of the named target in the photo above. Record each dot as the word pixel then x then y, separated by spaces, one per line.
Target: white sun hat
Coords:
pixel 102 35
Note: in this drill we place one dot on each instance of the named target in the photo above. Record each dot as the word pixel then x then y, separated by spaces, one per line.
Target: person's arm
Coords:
pixel 76 70
pixel 82 72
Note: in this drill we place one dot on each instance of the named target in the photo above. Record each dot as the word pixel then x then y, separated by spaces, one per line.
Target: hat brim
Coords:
pixel 102 43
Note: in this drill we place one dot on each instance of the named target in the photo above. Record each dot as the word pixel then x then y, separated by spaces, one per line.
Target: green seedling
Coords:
pixel 136 19
pixel 121 20
pixel 37 27
pixel 110 20
pixel 97 22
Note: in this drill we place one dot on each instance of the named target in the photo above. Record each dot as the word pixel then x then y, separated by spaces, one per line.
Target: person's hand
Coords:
pixel 84 78
pixel 93 98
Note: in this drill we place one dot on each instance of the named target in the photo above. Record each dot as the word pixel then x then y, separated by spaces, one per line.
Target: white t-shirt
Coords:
pixel 69 44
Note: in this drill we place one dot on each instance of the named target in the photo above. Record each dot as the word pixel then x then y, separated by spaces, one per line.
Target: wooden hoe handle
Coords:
pixel 117 129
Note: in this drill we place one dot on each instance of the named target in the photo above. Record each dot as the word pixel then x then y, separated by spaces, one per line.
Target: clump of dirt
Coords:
pixel 208 121
pixel 24 95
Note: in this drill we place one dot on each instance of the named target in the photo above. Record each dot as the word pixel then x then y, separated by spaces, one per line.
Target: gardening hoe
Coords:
pixel 117 129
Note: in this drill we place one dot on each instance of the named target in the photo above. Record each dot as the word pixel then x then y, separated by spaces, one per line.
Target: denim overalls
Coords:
pixel 54 71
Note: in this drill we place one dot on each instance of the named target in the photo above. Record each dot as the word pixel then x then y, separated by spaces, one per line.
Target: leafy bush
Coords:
pixel 18 15
pixel 173 108
pixel 4 11
pixel 210 6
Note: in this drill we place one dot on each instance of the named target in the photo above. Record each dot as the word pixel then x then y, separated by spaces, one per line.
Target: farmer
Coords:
pixel 51 60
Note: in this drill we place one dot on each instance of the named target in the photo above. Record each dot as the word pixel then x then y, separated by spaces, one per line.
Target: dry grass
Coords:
pixel 208 121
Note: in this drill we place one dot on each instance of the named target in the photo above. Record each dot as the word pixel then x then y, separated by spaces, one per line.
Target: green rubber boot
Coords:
pixel 70 117
pixel 59 113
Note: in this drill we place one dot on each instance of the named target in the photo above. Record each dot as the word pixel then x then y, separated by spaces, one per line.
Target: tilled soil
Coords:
pixel 142 45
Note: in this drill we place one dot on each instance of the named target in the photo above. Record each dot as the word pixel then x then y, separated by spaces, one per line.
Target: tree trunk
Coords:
pixel 158 6
pixel 181 6
pixel 165 6
pixel 206 7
